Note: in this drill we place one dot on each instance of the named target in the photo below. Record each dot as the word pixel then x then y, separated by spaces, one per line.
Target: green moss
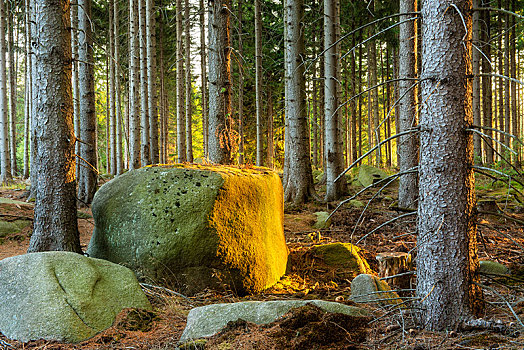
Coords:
pixel 9 227
pixel 368 175
pixel 344 256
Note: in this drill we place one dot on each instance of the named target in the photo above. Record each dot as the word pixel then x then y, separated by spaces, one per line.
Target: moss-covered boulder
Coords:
pixel 205 321
pixel 344 258
pixel 368 175
pixel 367 288
pixel 63 296
pixel 194 227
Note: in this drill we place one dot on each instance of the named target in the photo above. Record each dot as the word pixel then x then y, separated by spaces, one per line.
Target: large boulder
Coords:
pixel 63 296
pixel 206 321
pixel 192 227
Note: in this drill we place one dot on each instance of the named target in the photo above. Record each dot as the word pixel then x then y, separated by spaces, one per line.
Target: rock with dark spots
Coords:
pixel 194 227
pixel 63 296
pixel 208 320
pixel 367 288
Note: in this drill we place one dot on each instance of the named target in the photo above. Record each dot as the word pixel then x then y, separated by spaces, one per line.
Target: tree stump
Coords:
pixel 395 263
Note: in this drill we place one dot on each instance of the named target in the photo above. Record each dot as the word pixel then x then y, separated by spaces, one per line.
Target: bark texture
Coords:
pixel 180 116
pixel 188 89
pixel 54 226
pixel 408 144
pixel 447 246
pixel 220 119
pixel 134 64
pixel 203 72
pixel 298 178
pixel 258 80
pixel 144 98
pixel 5 164
pixel 87 175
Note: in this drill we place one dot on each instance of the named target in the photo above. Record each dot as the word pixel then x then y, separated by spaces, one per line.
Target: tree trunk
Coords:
pixel 152 91
pixel 507 96
pixel 118 106
pixel 408 144
pixel 163 110
pixel 28 93
pixel 258 81
pixel 74 82
pixel 447 246
pixel 241 157
pixel 11 15
pixel 270 132
pixel 298 177
pixel 189 89
pixel 87 176
pixel 487 96
pixel 180 116
pixel 513 85
pixel 220 121
pixel 134 118
pixel 333 143
pixel 144 98
pixel 475 54
pixel 54 225
pixel 203 74
pixel 5 163
pixel 112 93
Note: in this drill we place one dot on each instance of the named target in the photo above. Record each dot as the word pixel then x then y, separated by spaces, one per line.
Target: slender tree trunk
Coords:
pixel 5 163
pixel 112 92
pixel 134 118
pixel 189 89
pixel 118 105
pixel 298 177
pixel 203 74
pixel 359 100
pixel 180 116
pixel 507 95
pixel 87 176
pixel 487 83
pixel 54 225
pixel 333 165
pixel 447 246
pixel 270 132
pixel 258 80
pixel 476 80
pixel 241 86
pixel 28 88
pixel 513 85
pixel 76 96
pixel 407 145
pixel 163 110
pixel 144 98
pixel 220 121
pixel 353 105
pixel 152 87
pixel 12 88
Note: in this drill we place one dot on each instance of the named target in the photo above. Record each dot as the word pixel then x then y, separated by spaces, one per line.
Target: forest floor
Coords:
pixel 500 235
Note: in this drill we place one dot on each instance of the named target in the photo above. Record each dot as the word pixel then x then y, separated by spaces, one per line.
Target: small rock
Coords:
pixel 345 257
pixel 322 220
pixel 368 175
pixel 367 288
pixel 487 267
pixel 208 320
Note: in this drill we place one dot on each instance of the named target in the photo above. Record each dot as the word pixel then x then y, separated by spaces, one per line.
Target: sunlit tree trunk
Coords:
pixel 180 116
pixel 298 177
pixel 270 131
pixel 220 119
pixel 447 247
pixel 54 225
pixel 408 144
pixel 112 93
pixel 241 87
pixel 189 89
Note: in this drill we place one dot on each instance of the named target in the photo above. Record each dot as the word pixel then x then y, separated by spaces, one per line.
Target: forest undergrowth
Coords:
pixel 500 237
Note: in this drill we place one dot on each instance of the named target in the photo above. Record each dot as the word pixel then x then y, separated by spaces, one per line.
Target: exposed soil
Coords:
pixel 501 238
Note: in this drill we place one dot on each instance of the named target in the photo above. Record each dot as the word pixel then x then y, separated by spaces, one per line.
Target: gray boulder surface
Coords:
pixel 63 296
pixel 367 288
pixel 192 227
pixel 208 320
